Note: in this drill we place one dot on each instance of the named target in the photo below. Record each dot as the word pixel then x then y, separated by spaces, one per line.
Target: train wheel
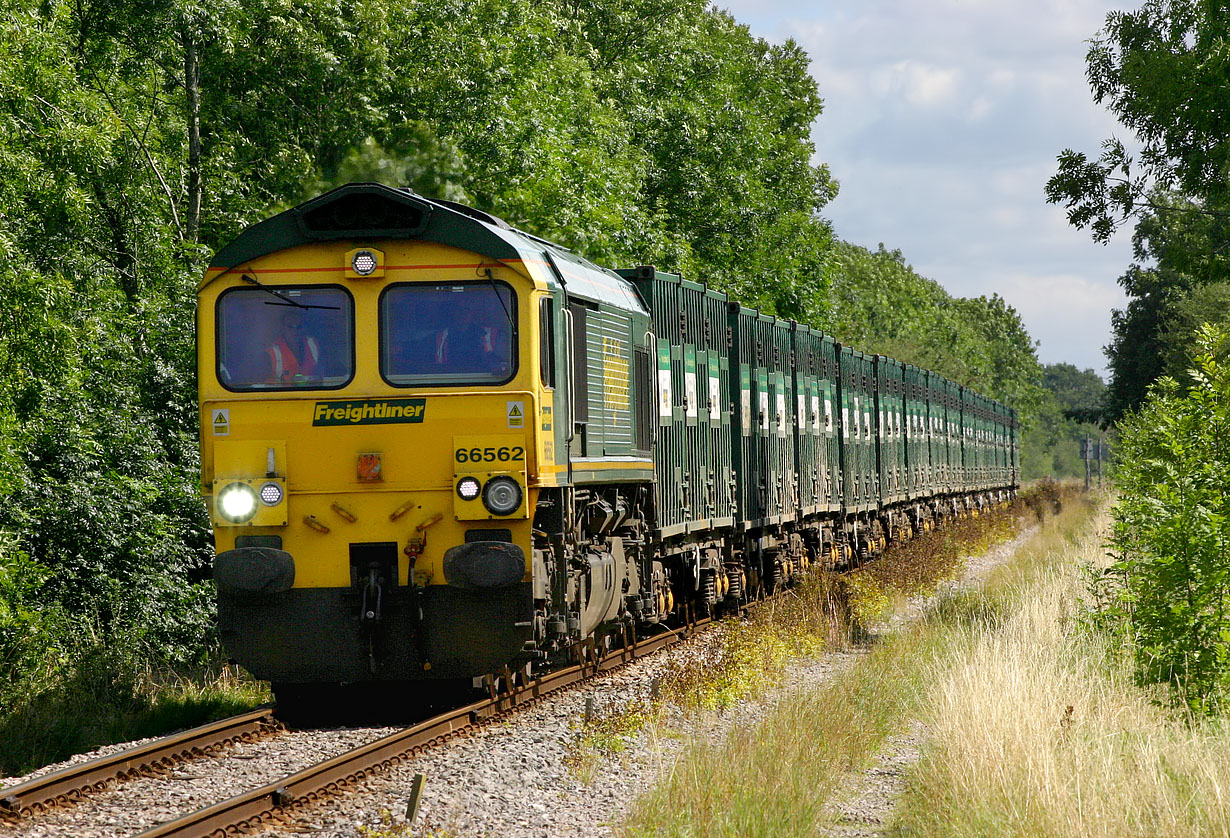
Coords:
pixel 736 585
pixel 708 592
pixel 771 579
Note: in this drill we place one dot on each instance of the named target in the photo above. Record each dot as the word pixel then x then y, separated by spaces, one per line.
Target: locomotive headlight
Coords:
pixel 271 494
pixel 468 488
pixel 502 495
pixel 237 502
pixel 364 262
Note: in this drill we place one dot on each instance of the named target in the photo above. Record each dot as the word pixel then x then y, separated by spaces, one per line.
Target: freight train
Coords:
pixel 437 447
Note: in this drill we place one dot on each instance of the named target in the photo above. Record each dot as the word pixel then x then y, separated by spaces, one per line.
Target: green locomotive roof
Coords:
pixel 367 211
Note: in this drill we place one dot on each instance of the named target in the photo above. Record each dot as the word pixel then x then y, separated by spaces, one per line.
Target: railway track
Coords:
pixel 69 785
pixel 249 810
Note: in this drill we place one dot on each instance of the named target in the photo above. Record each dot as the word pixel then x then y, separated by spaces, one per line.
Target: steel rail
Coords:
pixel 71 784
pixel 250 809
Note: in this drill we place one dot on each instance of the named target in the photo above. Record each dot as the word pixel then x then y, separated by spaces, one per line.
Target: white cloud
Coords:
pixel 980 108
pixel 919 84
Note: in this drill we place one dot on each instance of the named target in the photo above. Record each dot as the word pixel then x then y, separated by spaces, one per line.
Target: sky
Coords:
pixel 942 121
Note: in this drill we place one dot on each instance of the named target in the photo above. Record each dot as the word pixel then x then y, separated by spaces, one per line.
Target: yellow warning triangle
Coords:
pixel 515 411
pixel 220 419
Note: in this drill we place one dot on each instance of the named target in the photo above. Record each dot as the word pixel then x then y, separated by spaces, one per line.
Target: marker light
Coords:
pixel 467 488
pixel 271 494
pixel 364 263
pixel 237 502
pixel 502 495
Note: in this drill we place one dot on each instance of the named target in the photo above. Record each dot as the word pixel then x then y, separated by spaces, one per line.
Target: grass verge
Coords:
pixel 1039 730
pixel 780 776
pixel 106 695
pixel 734 661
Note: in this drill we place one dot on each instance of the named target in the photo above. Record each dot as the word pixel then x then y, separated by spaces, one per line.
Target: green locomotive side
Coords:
pixel 605 359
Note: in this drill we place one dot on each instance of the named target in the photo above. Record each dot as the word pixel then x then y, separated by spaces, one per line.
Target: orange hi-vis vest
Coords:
pixel 286 366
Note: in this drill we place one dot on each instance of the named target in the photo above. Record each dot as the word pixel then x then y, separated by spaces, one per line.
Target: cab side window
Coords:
pixel 546 336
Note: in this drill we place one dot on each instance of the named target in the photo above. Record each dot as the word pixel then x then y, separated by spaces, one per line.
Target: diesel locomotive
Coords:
pixel 437 447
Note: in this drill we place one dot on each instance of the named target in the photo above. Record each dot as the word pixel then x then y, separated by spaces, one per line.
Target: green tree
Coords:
pixel 1169 589
pixel 1162 70
pixel 1204 304
pixel 1071 414
pixel 1079 392
pixel 636 131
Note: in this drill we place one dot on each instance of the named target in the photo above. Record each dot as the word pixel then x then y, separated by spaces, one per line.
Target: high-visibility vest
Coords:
pixel 286 365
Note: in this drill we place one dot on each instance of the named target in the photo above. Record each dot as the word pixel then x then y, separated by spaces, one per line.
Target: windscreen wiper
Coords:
pixel 286 301
pixel 496 290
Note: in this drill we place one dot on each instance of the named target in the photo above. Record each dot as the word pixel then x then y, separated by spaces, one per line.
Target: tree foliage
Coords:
pixel 1071 414
pixel 1164 71
pixel 1169 588
pixel 1079 392
pixel 1179 254
pixel 880 304
pixel 1204 304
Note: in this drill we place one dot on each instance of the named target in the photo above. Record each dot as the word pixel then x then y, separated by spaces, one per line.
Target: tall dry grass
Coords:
pixel 1038 729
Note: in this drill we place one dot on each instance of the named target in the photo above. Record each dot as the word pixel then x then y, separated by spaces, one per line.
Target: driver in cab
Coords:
pixel 293 354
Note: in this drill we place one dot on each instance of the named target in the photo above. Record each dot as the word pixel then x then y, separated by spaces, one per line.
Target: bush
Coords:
pixel 1168 589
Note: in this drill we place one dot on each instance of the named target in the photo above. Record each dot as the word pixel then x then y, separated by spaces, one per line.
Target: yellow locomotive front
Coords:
pixel 372 439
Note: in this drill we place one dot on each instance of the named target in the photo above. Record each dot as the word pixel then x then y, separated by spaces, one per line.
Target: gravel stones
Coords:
pixel 514 777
